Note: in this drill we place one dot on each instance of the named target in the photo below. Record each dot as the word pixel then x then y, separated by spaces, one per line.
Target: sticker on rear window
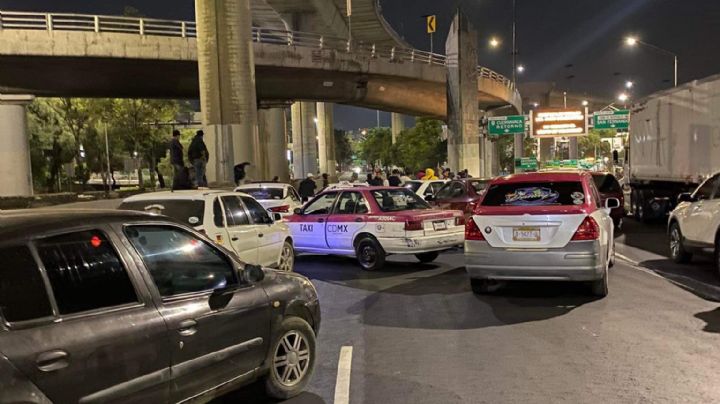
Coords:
pixel 531 196
pixel 577 198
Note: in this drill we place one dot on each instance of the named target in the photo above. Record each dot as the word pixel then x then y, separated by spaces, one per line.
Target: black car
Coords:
pixel 113 306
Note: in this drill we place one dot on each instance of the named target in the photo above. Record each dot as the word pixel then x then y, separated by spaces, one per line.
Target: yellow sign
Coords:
pixel 431 24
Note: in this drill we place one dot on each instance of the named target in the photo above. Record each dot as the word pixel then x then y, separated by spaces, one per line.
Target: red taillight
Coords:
pixel 460 221
pixel 280 209
pixel 412 225
pixel 472 232
pixel 588 230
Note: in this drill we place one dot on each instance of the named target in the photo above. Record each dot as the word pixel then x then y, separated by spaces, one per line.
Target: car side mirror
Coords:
pixel 686 197
pixel 277 216
pixel 612 203
pixel 297 211
pixel 253 273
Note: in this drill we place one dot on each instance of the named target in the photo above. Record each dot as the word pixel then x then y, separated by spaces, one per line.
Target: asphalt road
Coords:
pixel 419 335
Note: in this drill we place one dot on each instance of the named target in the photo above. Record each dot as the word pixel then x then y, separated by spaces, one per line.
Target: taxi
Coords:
pixel 370 223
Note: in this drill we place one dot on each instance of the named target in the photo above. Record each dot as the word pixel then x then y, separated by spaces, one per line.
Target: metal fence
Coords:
pixel 187 29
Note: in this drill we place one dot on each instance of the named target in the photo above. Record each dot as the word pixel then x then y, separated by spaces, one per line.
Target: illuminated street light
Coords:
pixel 623 97
pixel 520 68
pixel 633 41
pixel 363 132
pixel 629 84
pixel 494 42
pixel 585 103
pixel 535 104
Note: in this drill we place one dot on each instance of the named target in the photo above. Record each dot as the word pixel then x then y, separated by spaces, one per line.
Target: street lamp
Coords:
pixel 494 42
pixel 585 103
pixel 633 41
pixel 520 69
pixel 629 84
pixel 622 97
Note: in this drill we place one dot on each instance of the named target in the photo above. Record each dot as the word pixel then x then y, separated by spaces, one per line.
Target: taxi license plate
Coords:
pixel 439 225
pixel 526 234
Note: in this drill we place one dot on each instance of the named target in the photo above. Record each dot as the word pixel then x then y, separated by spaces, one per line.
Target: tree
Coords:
pixel 50 146
pixel 592 144
pixel 343 149
pixel 376 149
pixel 422 146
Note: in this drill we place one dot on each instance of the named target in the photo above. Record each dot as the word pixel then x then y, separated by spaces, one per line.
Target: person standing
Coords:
pixel 307 188
pixel 177 161
pixel 239 173
pixel 325 181
pixel 394 178
pixel 198 156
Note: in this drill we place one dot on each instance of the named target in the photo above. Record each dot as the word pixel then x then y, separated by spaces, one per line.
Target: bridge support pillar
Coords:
pixel 227 87
pixel 573 148
pixel 464 143
pixel 273 132
pixel 326 139
pixel 518 147
pixel 304 139
pixel 15 173
pixel 397 123
pixel 546 150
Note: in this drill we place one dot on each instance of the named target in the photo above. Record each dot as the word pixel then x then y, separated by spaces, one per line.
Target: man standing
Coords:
pixel 307 188
pixel 325 181
pixel 198 156
pixel 394 179
pixel 239 172
pixel 176 159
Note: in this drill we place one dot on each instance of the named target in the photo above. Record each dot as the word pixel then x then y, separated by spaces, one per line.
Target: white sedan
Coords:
pixel 234 220
pixel 273 196
pixel 424 188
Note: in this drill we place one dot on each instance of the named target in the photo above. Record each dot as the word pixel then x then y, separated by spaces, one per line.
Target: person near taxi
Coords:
pixel 307 187
pixel 429 175
pixel 176 159
pixel 198 156
pixel 394 179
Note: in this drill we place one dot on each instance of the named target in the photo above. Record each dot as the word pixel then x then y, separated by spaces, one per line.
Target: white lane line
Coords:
pixel 342 385
pixel 636 266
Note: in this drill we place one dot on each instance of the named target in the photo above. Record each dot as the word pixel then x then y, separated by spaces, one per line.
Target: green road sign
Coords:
pixel 526 163
pixel 561 164
pixel 506 125
pixel 619 119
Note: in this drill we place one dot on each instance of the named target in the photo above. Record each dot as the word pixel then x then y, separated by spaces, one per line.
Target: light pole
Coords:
pixel 633 41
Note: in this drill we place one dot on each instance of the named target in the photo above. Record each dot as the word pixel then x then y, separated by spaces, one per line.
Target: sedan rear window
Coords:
pixel 395 200
pixel 535 194
pixel 185 211
pixel 264 193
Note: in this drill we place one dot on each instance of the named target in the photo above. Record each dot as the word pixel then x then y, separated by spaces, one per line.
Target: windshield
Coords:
pixel 535 194
pixel 413 185
pixel 264 193
pixel 186 211
pixel 395 200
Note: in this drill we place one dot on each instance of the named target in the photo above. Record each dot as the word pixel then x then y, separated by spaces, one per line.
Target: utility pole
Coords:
pixel 514 41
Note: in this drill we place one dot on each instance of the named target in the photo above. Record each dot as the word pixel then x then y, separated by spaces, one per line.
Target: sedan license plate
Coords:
pixel 439 225
pixel 526 234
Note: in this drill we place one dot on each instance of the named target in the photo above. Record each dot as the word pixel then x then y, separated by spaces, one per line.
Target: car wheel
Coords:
pixel 287 257
pixel 600 286
pixel 427 257
pixel 370 254
pixel 677 250
pixel 484 286
pixel 292 359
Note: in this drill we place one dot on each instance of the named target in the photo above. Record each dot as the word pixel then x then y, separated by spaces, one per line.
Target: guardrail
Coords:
pixel 187 29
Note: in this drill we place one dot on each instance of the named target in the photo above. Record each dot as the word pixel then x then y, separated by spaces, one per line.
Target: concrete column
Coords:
pixel 397 123
pixel 305 146
pixel 273 130
pixel 545 152
pixel 464 145
pixel 326 139
pixel 15 173
pixel 573 148
pixel 518 147
pixel 228 99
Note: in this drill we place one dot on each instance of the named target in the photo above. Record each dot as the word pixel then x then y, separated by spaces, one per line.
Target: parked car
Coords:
pixel 273 196
pixel 694 225
pixel 540 226
pixel 462 195
pixel 372 222
pixel 424 188
pixel 231 219
pixel 609 187
pixel 127 307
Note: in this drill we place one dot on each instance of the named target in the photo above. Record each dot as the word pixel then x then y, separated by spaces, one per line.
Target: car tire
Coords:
pixel 427 257
pixel 677 249
pixel 370 254
pixel 287 257
pixel 599 287
pixel 484 286
pixel 281 383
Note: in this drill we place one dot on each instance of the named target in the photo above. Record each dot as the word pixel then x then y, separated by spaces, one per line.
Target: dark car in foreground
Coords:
pixel 462 195
pixel 609 187
pixel 114 306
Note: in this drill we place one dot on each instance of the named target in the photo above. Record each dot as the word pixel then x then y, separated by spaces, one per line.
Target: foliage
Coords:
pixel 343 148
pixel 421 147
pixel 376 149
pixel 591 144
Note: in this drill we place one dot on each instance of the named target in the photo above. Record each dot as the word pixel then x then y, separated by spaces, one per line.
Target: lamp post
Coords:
pixel 633 41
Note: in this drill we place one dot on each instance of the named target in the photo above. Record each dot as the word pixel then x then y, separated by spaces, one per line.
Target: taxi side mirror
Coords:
pixel 277 216
pixel 297 211
pixel 612 203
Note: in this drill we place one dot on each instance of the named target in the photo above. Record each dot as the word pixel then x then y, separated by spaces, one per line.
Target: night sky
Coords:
pixel 574 43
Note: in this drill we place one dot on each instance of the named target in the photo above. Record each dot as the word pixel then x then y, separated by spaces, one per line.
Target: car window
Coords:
pixel 351 203
pixel 186 211
pixel 258 214
pixel 435 186
pixel 453 189
pixel 235 214
pixel 535 194
pixel 264 193
pixel 413 185
pixel 596 195
pixel 293 194
pixel 218 214
pixel 322 205
pixel 85 272
pixel 705 191
pixel 716 194
pixel 22 292
pixel 178 261
pixel 479 186
pixel 395 200
pixel 606 183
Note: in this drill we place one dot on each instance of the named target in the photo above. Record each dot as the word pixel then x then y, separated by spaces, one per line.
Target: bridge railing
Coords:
pixel 186 29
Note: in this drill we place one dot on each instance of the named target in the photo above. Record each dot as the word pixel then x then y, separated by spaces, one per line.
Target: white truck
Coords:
pixel 674 145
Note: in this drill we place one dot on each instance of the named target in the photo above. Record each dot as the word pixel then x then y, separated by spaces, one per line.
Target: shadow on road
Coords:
pixel 346 270
pixel 699 277
pixel 712 318
pixel 650 237
pixel 255 394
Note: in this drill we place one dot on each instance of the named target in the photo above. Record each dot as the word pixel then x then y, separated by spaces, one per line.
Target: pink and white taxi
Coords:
pixel 372 222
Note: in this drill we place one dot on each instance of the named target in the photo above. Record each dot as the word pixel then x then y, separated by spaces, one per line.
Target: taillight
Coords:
pixel 280 209
pixel 460 221
pixel 412 225
pixel 472 231
pixel 588 230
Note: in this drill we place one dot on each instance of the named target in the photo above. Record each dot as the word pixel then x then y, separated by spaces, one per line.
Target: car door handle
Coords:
pixel 52 360
pixel 187 327
pixel 260 235
pixel 358 220
pixel 234 239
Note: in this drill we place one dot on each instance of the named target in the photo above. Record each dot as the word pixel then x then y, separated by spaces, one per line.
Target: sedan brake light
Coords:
pixel 412 225
pixel 588 230
pixel 280 209
pixel 472 231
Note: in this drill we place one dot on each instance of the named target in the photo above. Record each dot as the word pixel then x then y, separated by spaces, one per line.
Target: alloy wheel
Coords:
pixel 292 358
pixel 287 258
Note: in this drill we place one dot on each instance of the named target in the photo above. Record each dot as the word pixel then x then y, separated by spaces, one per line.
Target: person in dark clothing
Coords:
pixel 369 179
pixel 276 179
pixel 394 178
pixel 377 181
pixel 307 188
pixel 325 181
pixel 239 172
pixel 176 159
pixel 198 156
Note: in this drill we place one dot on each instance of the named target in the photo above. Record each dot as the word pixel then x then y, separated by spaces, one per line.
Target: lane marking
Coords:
pixel 342 385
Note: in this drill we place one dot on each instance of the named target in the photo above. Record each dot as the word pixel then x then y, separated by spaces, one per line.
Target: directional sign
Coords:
pixel 506 125
pixel 558 122
pixel 619 119
pixel 526 163
pixel 431 24
pixel 561 164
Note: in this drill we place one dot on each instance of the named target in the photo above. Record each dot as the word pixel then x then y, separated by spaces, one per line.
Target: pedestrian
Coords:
pixel 325 181
pixel 420 174
pixel 369 179
pixel 376 181
pixel 198 156
pixel 446 174
pixel 276 179
pixel 176 159
pixel 404 177
pixel 394 178
pixel 429 174
pixel 354 177
pixel 307 187
pixel 240 173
